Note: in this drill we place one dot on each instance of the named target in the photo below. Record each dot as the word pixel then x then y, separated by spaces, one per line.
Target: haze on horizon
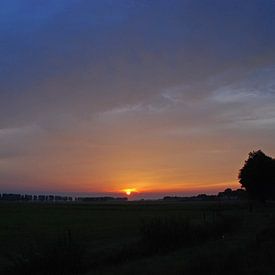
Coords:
pixel 160 96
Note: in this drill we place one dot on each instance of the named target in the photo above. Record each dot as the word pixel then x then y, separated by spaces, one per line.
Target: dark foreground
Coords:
pixel 137 238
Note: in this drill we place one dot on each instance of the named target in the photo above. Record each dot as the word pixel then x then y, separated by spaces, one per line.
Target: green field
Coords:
pixel 137 238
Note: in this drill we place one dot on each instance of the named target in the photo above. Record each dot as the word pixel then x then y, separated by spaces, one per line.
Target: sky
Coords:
pixel 165 97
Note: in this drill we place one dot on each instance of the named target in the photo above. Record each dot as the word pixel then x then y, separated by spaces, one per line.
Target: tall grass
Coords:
pixel 61 256
pixel 162 234
pixel 157 235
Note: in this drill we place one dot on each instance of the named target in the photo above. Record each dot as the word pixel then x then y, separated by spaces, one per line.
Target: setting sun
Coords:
pixel 129 191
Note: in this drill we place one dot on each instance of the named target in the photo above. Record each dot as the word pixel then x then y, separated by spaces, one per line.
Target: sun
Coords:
pixel 129 191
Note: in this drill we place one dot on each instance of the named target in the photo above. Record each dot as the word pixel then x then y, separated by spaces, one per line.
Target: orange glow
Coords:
pixel 129 191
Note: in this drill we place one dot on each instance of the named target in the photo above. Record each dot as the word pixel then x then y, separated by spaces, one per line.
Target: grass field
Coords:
pixel 137 238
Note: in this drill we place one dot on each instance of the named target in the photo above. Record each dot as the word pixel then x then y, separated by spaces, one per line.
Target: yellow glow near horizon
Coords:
pixel 129 191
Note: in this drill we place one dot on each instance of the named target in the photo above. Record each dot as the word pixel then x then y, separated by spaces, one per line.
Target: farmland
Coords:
pixel 137 238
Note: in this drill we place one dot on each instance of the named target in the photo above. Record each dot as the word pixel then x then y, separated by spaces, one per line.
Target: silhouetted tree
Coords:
pixel 258 176
pixel 228 191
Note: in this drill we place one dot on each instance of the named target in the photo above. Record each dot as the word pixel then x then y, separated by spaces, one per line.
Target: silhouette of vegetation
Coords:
pixel 157 235
pixel 163 234
pixel 227 194
pixel 61 256
pixel 257 176
pixel 230 194
pixel 216 237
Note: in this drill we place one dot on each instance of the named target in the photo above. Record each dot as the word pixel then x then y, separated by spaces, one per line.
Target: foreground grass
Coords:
pixel 136 238
pixel 248 250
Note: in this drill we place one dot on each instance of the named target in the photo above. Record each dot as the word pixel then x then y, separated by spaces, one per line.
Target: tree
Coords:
pixel 258 176
pixel 228 191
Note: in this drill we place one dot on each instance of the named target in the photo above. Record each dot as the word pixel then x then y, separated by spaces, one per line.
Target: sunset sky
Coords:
pixel 164 97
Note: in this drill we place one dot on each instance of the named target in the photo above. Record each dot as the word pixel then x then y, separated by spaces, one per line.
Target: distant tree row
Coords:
pixel 227 194
pixel 54 198
pixel 38 198
pixel 98 199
